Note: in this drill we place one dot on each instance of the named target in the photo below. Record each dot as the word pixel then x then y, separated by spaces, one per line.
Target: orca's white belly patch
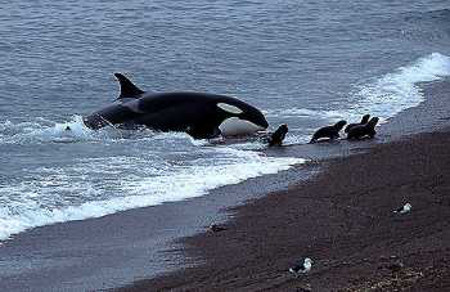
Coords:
pixel 236 127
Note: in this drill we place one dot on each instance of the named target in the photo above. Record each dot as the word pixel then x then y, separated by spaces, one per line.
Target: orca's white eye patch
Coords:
pixel 230 108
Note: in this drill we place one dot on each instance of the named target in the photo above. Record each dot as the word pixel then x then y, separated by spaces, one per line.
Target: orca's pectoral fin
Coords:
pixel 127 88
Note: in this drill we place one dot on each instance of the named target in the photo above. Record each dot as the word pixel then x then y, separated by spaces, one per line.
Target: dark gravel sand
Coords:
pixel 343 220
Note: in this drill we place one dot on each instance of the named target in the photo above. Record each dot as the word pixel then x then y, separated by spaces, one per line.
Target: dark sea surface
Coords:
pixel 305 63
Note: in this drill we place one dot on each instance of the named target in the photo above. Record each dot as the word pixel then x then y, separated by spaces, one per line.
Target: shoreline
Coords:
pixel 138 244
pixel 219 268
pixel 343 219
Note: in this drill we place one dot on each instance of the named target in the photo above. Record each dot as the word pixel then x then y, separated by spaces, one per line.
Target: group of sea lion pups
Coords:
pixel 364 129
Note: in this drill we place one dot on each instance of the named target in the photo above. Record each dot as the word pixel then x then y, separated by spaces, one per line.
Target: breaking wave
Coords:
pixel 385 96
pixel 145 169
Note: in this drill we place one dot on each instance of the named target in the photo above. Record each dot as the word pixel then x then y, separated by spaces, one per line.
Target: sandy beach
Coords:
pixel 343 219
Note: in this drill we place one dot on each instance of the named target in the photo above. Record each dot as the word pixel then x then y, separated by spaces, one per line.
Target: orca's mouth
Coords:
pixel 264 124
pixel 95 122
pixel 258 119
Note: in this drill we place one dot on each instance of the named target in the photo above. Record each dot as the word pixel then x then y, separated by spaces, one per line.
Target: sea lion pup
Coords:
pixel 277 137
pixel 359 132
pixel 331 132
pixel 364 121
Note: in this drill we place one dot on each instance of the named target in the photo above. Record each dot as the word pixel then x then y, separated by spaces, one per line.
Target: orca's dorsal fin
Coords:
pixel 127 88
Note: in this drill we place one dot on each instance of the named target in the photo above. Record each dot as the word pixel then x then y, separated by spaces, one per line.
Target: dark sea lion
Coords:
pixel 276 139
pixel 364 121
pixel 331 132
pixel 367 130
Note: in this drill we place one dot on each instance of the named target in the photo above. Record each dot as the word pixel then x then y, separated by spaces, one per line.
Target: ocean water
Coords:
pixel 305 63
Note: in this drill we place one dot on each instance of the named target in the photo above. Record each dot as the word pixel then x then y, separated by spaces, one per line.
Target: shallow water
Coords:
pixel 303 63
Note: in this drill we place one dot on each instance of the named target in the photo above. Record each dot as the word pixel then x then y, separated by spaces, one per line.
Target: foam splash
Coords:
pixel 385 97
pixel 296 139
pixel 304 113
pixel 397 91
pixel 152 187
pixel 41 131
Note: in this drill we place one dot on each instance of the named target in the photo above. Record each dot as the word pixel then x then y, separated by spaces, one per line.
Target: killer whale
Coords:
pixel 201 115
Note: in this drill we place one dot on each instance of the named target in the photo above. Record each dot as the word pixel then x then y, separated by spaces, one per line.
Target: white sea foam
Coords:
pixel 296 139
pixel 384 97
pixel 304 113
pixel 74 193
pixel 41 131
pixel 397 91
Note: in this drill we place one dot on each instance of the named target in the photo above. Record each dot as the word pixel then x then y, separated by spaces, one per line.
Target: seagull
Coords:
pixel 404 209
pixel 302 268
pixel 215 228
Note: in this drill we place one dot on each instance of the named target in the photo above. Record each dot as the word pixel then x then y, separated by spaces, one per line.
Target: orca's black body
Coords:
pixel 367 130
pixel 202 115
pixel 330 132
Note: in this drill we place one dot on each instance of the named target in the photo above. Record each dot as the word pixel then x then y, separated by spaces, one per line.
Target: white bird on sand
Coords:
pixel 216 228
pixel 302 268
pixel 404 209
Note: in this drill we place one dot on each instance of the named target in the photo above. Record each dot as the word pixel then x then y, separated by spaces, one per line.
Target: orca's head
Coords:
pixel 240 118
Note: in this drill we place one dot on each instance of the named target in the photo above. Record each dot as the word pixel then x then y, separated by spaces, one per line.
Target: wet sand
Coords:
pixel 343 219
